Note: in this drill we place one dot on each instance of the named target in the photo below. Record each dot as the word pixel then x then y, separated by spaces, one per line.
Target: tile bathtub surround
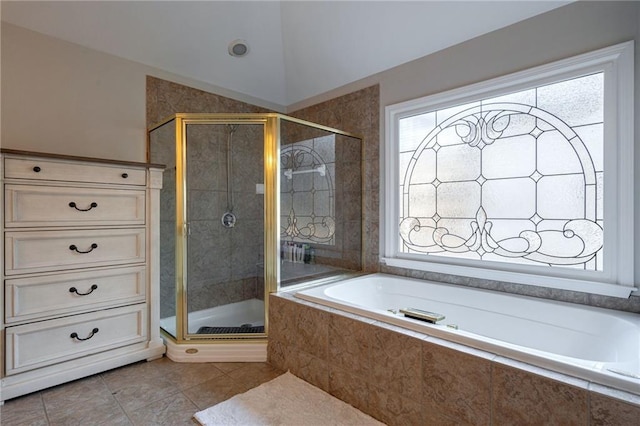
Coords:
pixel 402 377
pixel 160 392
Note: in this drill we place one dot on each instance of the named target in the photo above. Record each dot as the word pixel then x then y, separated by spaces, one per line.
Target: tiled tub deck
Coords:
pixel 406 378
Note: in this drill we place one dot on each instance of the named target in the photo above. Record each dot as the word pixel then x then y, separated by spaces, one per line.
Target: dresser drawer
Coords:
pixel 43 251
pixel 35 205
pixel 28 299
pixel 44 343
pixel 71 171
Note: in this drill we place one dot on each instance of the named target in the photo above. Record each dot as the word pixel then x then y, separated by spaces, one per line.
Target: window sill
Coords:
pixel 591 287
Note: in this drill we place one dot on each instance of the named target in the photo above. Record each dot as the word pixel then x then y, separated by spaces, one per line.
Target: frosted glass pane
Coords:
pixel 412 130
pixel 526 97
pixel 444 114
pixel 593 138
pixel 509 198
pixel 519 124
pixel 577 102
pixel 599 196
pixel 425 169
pixel 551 225
pixel 561 197
pixel 422 200
pixel 448 136
pixel 509 157
pixel 460 227
pixel 556 155
pixel 457 163
pixel 404 159
pixel 458 200
pixel 507 228
pixel 530 170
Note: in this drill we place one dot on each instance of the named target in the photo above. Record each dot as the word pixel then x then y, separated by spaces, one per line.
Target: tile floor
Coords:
pixel 160 392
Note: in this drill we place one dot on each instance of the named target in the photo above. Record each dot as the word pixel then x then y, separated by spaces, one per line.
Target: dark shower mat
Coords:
pixel 230 330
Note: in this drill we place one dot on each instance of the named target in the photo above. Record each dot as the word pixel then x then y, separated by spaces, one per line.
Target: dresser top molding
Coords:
pixel 77 158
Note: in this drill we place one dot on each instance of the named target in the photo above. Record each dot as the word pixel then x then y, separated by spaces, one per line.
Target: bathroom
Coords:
pixel 358 108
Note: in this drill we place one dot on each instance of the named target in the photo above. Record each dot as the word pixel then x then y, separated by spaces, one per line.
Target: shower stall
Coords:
pixel 250 203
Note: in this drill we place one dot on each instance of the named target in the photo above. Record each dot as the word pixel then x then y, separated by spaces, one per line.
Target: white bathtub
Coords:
pixel 599 345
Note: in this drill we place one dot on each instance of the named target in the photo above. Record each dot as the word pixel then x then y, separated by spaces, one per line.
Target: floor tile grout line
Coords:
pixel 115 399
pixel 44 407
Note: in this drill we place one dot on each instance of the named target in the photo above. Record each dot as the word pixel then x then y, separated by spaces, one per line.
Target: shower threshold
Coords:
pixel 219 350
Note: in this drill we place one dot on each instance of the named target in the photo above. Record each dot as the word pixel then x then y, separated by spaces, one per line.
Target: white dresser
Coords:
pixel 80 270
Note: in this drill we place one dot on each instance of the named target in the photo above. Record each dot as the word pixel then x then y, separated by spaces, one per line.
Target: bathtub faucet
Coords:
pixel 419 314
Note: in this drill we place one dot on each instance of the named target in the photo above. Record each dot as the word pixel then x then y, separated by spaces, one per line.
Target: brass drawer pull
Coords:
pixel 75 290
pixel 92 206
pixel 72 247
pixel 74 335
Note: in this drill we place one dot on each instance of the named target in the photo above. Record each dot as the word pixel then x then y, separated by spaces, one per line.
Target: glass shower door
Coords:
pixel 224 229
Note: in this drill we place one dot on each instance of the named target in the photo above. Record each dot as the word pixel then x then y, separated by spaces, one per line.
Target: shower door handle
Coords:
pixel 187 228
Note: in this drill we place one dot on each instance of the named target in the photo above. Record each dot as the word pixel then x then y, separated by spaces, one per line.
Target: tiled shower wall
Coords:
pixel 223 262
pixel 406 378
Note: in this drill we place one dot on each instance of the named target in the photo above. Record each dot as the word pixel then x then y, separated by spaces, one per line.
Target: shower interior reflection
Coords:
pixel 320 203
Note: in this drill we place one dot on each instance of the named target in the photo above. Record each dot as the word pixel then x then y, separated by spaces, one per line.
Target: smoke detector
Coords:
pixel 238 48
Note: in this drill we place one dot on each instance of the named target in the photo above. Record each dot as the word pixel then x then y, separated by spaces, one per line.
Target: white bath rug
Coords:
pixel 285 400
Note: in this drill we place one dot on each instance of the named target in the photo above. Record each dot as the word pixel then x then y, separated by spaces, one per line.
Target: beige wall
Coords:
pixel 62 98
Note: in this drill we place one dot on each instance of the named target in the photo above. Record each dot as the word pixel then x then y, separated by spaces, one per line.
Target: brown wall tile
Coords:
pixel 608 411
pixel 348 387
pixel 393 409
pixel 299 326
pixel 396 361
pixel 523 398
pixel 350 345
pixel 456 384
pixel 310 368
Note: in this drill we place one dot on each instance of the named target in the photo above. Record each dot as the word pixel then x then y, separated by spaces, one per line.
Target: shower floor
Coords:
pixel 232 315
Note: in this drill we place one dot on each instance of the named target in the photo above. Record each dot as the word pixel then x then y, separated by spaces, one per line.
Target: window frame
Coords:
pixel 617 278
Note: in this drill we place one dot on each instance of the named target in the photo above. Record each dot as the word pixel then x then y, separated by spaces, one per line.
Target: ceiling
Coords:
pixel 298 49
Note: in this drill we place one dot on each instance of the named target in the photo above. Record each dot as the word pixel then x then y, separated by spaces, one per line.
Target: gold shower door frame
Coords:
pixel 272 127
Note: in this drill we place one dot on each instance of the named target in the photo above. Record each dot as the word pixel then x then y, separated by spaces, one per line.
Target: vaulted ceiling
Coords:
pixel 297 49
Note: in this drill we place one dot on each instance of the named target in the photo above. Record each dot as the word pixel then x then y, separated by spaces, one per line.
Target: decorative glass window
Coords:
pixel 518 174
